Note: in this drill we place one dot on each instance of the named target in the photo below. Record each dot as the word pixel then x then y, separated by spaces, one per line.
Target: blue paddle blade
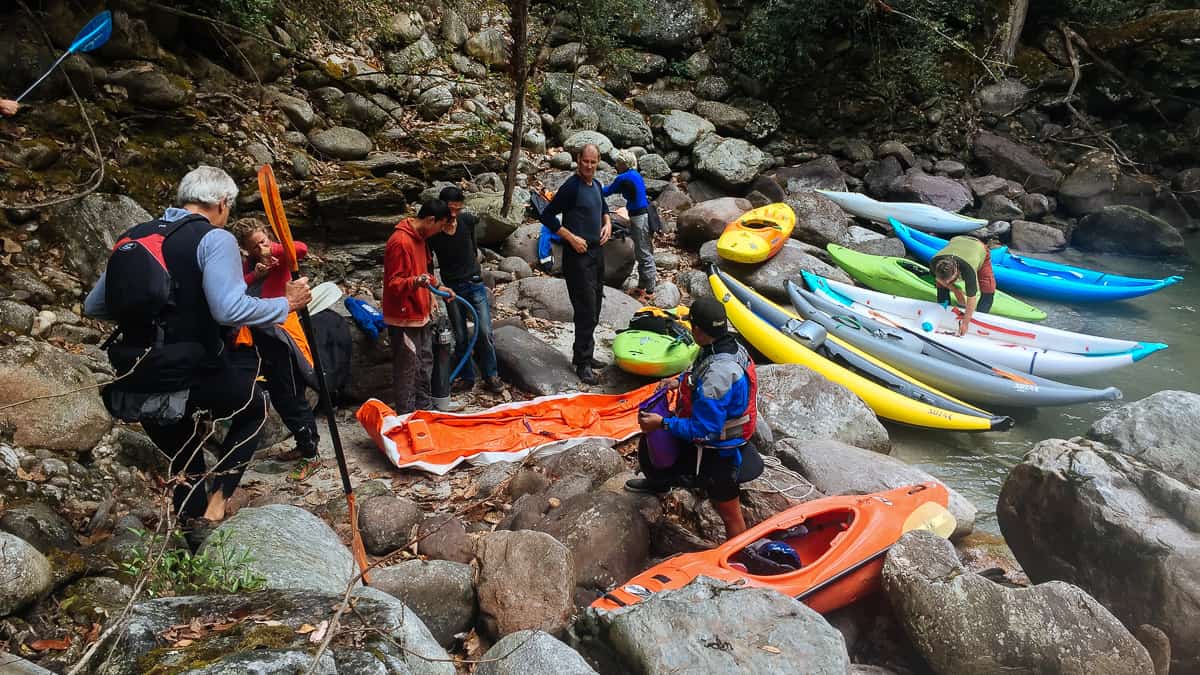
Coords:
pixel 94 34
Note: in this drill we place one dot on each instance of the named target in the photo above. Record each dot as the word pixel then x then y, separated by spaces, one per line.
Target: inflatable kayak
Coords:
pixel 939 365
pixel 838 543
pixel 899 276
pixel 439 441
pixel 1042 278
pixel 759 234
pixel 924 216
pixel 879 385
pixel 1000 341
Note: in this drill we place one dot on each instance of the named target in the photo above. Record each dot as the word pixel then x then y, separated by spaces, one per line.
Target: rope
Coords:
pixel 776 466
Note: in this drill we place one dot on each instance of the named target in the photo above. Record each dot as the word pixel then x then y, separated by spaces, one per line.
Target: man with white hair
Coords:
pixel 174 286
pixel 629 184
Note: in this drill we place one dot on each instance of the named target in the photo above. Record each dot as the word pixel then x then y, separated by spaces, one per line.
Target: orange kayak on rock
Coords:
pixel 759 234
pixel 840 543
pixel 439 441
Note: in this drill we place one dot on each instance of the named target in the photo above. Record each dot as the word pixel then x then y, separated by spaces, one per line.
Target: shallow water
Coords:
pixel 977 464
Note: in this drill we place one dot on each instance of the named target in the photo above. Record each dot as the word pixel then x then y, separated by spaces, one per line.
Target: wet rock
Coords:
pixel 528 652
pixel 707 220
pixel 442 594
pixel 1097 181
pixel 16 316
pixel 944 193
pixel 801 404
pixel 821 173
pixel 40 526
pixel 489 47
pixel 770 278
pixel 342 143
pixel 434 102
pixel 836 468
pixel 1162 430
pixel 532 365
pixel 546 298
pixel 445 538
pixel 526 581
pixel 89 227
pixel 150 87
pixel 1004 97
pixel 74 422
pixel 1128 230
pixel 575 143
pixel 961 622
pixel 387 523
pixel 660 101
pixel 728 630
pixel 682 129
pixel 413 59
pixel 1134 539
pixel 25 571
pixel 1007 159
pixel 1033 237
pixel 623 126
pixel 290 547
pixel 819 221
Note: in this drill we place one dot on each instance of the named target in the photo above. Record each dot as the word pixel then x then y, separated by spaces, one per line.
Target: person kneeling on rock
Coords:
pixel 715 414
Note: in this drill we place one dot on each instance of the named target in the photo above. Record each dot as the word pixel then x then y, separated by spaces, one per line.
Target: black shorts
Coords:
pixel 719 476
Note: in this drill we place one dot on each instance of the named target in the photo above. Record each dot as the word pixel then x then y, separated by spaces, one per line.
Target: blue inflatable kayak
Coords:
pixel 1041 278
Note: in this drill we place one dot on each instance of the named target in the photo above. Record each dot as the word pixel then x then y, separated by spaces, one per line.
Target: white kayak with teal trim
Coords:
pixel 996 340
pixel 921 216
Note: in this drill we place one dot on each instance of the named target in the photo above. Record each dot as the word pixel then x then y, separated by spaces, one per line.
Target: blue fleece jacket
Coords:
pixel 630 186
pixel 720 392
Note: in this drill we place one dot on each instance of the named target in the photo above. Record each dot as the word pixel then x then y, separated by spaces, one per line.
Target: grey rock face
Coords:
pixel 442 594
pixel 1128 230
pixel 531 364
pixel 74 422
pixel 528 652
pixel 1162 430
pixel 800 404
pixel 342 143
pixel 731 162
pixel 1010 160
pixel 90 226
pixel 25 571
pixel 526 580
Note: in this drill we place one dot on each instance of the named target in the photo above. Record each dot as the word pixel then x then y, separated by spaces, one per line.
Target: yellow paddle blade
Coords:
pixel 933 517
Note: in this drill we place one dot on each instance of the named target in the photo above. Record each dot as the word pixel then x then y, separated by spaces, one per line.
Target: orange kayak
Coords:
pixel 439 441
pixel 840 546
pixel 759 234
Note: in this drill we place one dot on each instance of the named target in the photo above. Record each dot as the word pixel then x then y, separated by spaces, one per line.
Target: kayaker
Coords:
pixel 458 261
pixel 266 276
pixel 179 362
pixel 9 108
pixel 629 184
pixel 408 303
pixel 715 414
pixel 585 228
pixel 968 259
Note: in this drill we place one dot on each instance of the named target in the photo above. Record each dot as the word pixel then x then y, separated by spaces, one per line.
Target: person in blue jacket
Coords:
pixel 629 184
pixel 716 413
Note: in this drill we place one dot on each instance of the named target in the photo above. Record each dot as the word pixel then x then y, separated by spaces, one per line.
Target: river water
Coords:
pixel 977 464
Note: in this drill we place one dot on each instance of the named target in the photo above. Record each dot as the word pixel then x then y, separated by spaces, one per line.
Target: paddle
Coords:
pixel 928 516
pixel 274 208
pixel 91 37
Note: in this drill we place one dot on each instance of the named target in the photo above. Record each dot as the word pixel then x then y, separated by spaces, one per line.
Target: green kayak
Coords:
pixel 909 279
pixel 643 352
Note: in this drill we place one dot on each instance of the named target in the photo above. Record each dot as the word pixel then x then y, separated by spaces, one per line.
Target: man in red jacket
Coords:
pixel 408 304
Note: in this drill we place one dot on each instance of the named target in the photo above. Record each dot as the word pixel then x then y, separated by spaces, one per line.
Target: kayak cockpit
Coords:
pixel 789 550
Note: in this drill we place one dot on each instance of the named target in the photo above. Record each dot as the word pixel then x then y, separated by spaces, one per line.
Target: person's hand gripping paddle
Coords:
pixel 274 208
pixel 91 37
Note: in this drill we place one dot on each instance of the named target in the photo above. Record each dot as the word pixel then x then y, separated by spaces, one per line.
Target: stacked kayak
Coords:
pixel 1042 278
pixel 759 234
pixel 1000 341
pixel 840 543
pixel 890 393
pixel 924 216
pixel 899 276
pixel 939 365
pixel 657 343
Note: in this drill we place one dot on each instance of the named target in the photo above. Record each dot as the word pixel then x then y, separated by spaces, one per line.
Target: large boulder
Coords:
pixel 1033 237
pixel 1127 230
pixel 87 229
pixel 528 652
pixel 526 581
pixel 1010 160
pixel 290 547
pixel 682 129
pixel 731 162
pixel 489 47
pixel 442 594
pixel 496 224
pixel 821 173
pixel 576 142
pixel 770 278
pixel 726 118
pixel 1162 430
pixel 342 143
pixel 1003 97
pixel 546 298
pixel 730 630
pixel 25 571
pixel 675 23
pixel 944 193
pixel 386 523
pixel 624 126
pixel 269 632
pixel 835 468
pixel 532 365
pixel 961 622
pixel 1134 535
pixel 150 87
pixel 73 419
pixel 665 100
pixel 801 404
pixel 297 111
pixel 707 220
pixel 1098 181
pixel 819 221
pixel 594 458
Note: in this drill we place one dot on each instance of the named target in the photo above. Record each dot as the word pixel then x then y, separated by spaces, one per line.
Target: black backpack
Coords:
pixel 661 321
pixel 138 289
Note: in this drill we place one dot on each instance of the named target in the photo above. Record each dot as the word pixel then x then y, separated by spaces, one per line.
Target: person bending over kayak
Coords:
pixel 968 259
pixel 716 413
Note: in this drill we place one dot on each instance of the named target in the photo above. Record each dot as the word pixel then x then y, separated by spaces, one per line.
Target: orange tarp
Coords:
pixel 437 441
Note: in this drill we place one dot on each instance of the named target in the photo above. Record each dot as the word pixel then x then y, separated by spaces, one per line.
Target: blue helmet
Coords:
pixel 780 553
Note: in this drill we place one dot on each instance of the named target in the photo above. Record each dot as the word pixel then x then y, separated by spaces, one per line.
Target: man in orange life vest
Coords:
pixel 716 414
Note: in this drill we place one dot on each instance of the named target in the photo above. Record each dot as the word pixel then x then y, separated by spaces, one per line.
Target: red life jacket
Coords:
pixel 742 424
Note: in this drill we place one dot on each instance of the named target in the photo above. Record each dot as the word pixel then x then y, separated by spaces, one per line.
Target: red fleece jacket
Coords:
pixel 405 302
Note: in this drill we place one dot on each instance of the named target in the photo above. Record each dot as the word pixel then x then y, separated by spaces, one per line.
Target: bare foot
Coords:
pixel 216 507
pixel 239 499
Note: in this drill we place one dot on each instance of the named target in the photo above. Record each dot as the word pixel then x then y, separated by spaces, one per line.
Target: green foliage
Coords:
pixel 601 22
pixel 219 569
pixel 248 13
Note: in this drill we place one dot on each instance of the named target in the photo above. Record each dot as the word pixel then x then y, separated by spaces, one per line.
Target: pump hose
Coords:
pixel 466 358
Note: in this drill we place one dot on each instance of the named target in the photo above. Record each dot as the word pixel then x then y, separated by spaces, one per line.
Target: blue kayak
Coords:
pixel 1041 278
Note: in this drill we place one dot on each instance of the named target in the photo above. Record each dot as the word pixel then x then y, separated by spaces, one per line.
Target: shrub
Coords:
pixel 219 569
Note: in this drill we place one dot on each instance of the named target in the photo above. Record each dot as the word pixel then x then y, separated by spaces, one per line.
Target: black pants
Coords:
pixel 719 476
pixel 985 302
pixel 584 273
pixel 286 388
pixel 230 392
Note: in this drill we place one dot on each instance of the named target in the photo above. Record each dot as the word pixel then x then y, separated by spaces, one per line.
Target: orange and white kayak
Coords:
pixel 439 441
pixel 759 234
pixel 840 546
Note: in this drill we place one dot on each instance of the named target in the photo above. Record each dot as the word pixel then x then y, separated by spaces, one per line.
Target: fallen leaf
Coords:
pixel 93 634
pixel 184 643
pixel 319 634
pixel 554 502
pixel 305 629
pixel 270 622
pixel 10 246
pixel 771 650
pixel 57 645
pixel 493 517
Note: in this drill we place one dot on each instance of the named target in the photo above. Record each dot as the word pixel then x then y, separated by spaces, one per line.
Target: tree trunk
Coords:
pixel 520 74
pixel 1158 27
pixel 1011 32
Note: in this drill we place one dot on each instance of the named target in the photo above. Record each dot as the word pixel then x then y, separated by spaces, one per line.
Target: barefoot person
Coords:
pixel 968 259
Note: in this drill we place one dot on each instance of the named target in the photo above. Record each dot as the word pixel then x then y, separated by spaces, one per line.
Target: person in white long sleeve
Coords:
pixel 176 358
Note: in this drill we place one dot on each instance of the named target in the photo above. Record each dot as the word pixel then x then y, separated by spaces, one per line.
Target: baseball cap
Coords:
pixel 708 315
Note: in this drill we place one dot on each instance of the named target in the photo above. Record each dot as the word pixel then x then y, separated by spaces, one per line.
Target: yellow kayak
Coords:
pixel 887 403
pixel 759 234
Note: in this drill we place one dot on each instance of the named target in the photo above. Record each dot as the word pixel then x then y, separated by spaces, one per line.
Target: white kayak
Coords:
pixel 996 340
pixel 921 216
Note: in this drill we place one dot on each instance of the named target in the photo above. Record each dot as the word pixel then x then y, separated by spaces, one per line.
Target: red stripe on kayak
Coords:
pixel 998 329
